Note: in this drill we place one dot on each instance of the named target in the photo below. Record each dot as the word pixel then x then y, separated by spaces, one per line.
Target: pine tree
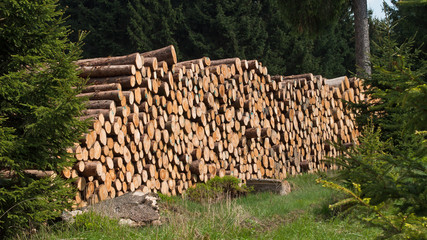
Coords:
pixel 396 157
pixel 389 166
pixel 410 16
pixel 38 111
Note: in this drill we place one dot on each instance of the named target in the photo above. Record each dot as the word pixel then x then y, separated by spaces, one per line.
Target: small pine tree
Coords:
pixel 397 86
pixel 389 167
pixel 38 111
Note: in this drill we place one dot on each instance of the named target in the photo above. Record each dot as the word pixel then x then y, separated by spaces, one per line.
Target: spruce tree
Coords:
pixel 393 151
pixel 411 19
pixel 38 111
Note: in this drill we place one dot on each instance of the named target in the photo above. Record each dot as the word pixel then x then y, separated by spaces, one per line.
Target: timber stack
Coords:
pixel 159 125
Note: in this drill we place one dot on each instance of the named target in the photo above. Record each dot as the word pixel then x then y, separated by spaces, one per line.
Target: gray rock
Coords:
pixel 130 223
pixel 69 216
pixel 134 209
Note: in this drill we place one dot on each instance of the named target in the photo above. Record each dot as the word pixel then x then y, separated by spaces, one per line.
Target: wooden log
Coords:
pixel 166 54
pixel 107 113
pixel 308 76
pixel 129 96
pixel 253 133
pixel 338 82
pixel 107 71
pixel 197 167
pixel 200 62
pixel 124 81
pixel 93 168
pixel 80 183
pixel 115 95
pixel 102 192
pixel 163 65
pixel 130 59
pixel 32 172
pixel 102 87
pixel 101 104
pixel 235 61
pixel 253 64
pixel 151 62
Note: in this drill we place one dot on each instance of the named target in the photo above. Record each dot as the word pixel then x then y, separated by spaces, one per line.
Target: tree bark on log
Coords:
pixel 166 54
pixel 107 71
pixel 130 59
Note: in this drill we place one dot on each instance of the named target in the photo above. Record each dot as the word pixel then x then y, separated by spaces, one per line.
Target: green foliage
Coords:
pixel 398 92
pixel 382 175
pixel 166 199
pixel 310 15
pixel 152 24
pixel 29 204
pixel 256 30
pixel 330 53
pixel 410 14
pixel 105 20
pixel 390 184
pixel 216 189
pixel 397 85
pixel 221 29
pixel 91 221
pixel 202 193
pixel 388 170
pixel 395 224
pixel 246 29
pixel 226 183
pixel 38 110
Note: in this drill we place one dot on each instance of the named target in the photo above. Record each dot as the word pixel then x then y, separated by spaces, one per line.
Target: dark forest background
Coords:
pixel 217 29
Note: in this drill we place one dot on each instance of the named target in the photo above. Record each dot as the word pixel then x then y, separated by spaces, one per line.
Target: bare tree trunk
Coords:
pixel 362 37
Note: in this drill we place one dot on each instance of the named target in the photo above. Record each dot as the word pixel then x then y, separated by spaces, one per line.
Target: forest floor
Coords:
pixel 302 214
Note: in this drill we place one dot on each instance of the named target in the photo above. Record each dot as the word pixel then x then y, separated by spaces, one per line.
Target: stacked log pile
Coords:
pixel 162 126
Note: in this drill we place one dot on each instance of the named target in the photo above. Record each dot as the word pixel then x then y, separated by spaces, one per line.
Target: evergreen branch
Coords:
pixel 364 202
pixel 17 204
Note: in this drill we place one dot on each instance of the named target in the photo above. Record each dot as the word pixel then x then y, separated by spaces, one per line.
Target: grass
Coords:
pixel 302 214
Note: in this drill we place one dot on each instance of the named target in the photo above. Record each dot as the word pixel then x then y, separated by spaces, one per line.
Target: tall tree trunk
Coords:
pixel 362 37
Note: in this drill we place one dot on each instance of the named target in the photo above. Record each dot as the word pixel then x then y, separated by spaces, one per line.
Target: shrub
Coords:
pixel 383 175
pixel 216 189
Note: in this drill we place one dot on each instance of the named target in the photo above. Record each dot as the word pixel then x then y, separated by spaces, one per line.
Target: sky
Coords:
pixel 376 6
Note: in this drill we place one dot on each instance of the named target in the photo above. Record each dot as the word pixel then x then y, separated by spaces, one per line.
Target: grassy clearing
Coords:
pixel 303 214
